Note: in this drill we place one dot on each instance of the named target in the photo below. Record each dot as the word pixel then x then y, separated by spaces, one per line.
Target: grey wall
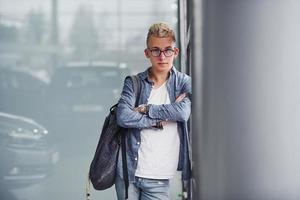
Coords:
pixel 247 139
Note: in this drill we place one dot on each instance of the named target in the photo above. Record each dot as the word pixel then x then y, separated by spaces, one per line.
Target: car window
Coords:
pixel 19 80
pixel 10 81
pixel 111 78
pixel 28 82
pixel 3 81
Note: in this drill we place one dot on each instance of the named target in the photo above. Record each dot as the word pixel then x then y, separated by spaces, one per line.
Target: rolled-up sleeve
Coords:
pixel 176 111
pixel 127 117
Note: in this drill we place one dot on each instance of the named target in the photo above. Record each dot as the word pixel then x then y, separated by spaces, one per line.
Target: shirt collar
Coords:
pixel 145 75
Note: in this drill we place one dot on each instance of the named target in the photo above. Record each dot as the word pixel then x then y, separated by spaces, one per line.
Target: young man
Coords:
pixel 157 140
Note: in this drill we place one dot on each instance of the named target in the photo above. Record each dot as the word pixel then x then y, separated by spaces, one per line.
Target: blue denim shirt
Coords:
pixel 177 84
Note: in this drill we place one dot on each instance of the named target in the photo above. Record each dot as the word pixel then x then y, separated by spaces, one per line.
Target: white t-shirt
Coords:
pixel 159 149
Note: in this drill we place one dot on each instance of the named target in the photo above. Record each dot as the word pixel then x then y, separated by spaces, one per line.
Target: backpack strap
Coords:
pixel 136 89
pixel 124 164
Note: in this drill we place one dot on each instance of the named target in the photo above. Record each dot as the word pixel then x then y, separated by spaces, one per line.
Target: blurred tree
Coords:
pixel 83 35
pixel 35 27
pixel 104 31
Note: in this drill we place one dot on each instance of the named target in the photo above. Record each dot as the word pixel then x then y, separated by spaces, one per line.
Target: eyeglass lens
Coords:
pixel 157 52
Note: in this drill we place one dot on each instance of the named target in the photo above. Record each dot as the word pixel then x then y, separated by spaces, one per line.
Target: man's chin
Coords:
pixel 164 66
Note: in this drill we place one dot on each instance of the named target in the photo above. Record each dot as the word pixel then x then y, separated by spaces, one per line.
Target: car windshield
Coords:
pixel 78 78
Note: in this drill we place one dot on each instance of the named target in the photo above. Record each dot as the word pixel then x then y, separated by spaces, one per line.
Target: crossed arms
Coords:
pixel 157 115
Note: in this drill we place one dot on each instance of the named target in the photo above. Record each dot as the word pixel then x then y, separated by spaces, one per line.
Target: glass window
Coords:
pixel 44 37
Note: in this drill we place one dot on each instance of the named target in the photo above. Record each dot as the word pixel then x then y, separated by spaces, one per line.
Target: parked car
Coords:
pixel 22 93
pixel 82 91
pixel 27 151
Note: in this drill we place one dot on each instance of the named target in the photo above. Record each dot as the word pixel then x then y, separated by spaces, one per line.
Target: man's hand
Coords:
pixel 137 109
pixel 143 108
pixel 165 122
pixel 180 97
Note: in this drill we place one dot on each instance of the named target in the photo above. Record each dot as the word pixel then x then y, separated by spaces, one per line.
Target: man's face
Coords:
pixel 161 53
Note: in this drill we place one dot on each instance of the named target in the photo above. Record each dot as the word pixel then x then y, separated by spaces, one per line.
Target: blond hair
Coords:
pixel 161 30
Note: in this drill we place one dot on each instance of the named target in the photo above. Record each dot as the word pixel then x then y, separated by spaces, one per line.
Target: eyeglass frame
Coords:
pixel 161 51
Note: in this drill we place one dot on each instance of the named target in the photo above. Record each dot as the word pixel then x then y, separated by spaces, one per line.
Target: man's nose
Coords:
pixel 162 55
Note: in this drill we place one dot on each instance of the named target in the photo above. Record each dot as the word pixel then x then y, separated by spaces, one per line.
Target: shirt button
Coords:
pixel 135 158
pixel 138 143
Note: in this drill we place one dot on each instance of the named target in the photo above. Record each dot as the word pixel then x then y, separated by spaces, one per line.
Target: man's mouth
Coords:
pixel 162 63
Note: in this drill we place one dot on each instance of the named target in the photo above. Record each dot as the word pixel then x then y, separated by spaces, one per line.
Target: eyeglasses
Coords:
pixel 156 52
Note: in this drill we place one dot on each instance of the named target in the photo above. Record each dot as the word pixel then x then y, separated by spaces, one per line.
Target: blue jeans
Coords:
pixel 143 189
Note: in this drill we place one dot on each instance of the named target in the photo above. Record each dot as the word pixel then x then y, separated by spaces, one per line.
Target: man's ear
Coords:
pixel 176 52
pixel 146 52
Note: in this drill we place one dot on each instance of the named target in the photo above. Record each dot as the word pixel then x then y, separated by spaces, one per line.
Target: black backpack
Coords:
pixel 102 170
